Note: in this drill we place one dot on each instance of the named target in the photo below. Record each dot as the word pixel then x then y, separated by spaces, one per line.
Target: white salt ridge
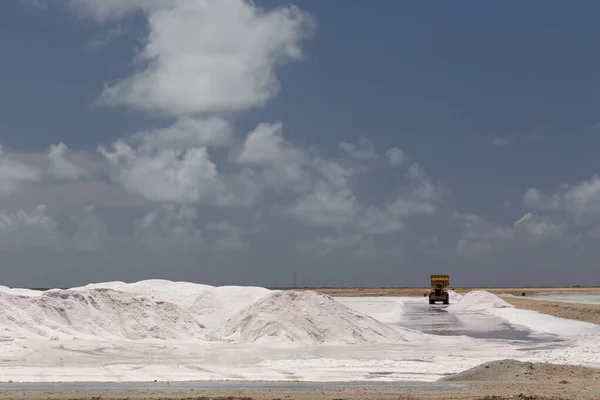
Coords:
pixel 164 310
pixel 308 318
pixel 478 300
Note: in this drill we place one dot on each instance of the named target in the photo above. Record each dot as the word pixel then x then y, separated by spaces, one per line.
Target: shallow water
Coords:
pixel 416 313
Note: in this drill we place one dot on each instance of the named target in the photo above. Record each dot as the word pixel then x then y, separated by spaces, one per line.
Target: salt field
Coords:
pixel 179 331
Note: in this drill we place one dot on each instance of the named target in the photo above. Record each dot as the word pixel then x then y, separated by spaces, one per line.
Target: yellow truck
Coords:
pixel 439 289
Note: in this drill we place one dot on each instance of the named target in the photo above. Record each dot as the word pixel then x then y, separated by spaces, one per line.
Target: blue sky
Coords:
pixel 493 107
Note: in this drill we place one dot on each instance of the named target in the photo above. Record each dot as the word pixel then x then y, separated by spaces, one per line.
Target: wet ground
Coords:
pixel 417 313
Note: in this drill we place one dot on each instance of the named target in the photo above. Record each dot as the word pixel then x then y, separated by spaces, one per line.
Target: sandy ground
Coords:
pixel 551 386
pixel 576 311
pixel 507 379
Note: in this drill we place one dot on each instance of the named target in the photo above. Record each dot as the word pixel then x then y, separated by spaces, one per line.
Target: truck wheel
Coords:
pixel 431 301
pixel 447 299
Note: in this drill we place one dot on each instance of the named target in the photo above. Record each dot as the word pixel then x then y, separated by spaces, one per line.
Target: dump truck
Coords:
pixel 439 289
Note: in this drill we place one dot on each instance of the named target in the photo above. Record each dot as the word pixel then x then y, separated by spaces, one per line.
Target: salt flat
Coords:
pixel 179 331
pixel 585 298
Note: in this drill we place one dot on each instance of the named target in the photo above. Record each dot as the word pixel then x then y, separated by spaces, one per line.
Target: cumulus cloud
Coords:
pixel 185 133
pixel 363 150
pixel 14 173
pixel 205 56
pixel 265 145
pixel 200 64
pixel 332 203
pixel 281 163
pixel 60 167
pixel 170 227
pixel 479 236
pixel 28 229
pixel 539 227
pixel 325 206
pixel 580 201
pixel 422 196
pixel 165 175
pixel 396 156
pixel 104 10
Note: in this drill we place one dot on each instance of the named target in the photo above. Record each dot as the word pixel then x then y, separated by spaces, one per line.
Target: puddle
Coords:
pixel 418 314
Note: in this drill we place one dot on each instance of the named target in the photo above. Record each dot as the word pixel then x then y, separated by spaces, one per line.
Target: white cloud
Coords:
pixel 479 236
pixel 396 156
pixel 580 201
pixel 185 133
pixel 363 150
pixel 281 164
pixel 103 10
pixel 533 198
pixel 171 176
pixel 325 206
pixel 379 222
pixel 333 204
pixel 15 173
pixel 422 197
pixel 60 167
pixel 170 227
pixel 23 230
pixel 265 145
pixel 205 56
pixel 538 227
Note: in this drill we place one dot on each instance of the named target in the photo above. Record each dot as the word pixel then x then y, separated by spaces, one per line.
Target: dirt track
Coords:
pixel 571 390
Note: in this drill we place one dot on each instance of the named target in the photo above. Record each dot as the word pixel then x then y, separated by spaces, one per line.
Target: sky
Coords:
pixel 355 143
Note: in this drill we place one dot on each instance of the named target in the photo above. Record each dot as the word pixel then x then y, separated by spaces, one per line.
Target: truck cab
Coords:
pixel 439 289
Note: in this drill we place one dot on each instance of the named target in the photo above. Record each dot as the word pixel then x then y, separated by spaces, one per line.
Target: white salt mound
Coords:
pixel 99 313
pixel 306 318
pixel 454 297
pixel 478 300
pixel 164 310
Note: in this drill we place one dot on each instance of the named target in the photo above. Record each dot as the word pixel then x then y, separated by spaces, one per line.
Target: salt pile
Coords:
pixel 164 310
pixel 478 300
pixel 96 313
pixel 307 318
pixel 454 296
